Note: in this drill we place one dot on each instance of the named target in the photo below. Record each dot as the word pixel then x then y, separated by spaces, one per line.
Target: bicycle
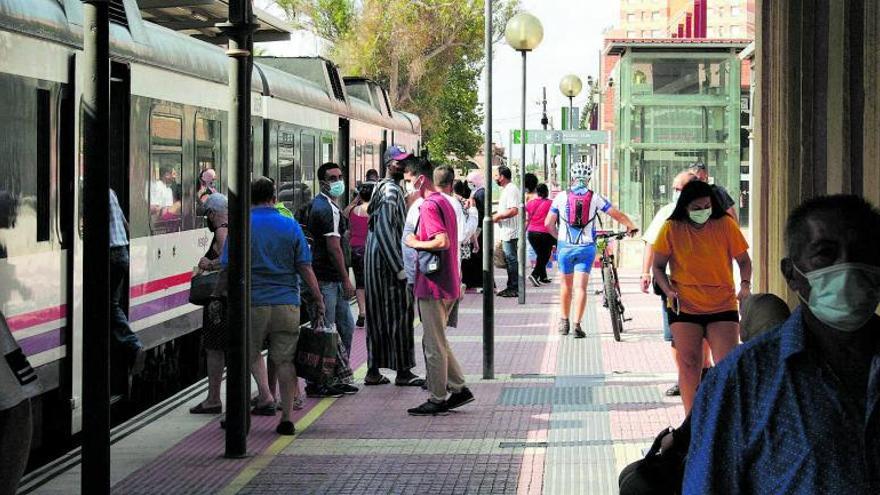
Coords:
pixel 610 281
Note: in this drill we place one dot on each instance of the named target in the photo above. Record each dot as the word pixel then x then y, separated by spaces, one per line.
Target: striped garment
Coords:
pixel 390 312
pixel 118 235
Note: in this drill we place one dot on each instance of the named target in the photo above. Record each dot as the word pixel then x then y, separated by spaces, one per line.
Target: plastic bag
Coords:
pixel 316 354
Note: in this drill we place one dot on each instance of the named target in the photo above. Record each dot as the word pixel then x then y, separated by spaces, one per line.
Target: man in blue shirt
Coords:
pixel 796 410
pixel 279 256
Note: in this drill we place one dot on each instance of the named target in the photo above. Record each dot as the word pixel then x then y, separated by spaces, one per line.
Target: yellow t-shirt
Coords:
pixel 701 263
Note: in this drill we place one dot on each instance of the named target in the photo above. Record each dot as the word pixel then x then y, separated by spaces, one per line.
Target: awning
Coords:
pixel 198 18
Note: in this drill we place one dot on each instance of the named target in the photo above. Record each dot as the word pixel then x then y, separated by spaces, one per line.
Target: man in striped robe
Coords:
pixel 390 309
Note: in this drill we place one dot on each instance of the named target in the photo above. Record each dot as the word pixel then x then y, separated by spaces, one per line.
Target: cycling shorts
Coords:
pixel 575 258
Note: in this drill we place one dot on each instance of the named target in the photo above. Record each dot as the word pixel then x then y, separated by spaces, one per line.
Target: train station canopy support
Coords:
pixel 198 18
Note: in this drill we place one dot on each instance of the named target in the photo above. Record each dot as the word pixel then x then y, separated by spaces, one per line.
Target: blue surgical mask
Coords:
pixel 843 296
pixel 337 188
pixel 700 216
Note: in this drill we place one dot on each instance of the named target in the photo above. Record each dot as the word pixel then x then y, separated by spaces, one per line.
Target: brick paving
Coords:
pixel 563 416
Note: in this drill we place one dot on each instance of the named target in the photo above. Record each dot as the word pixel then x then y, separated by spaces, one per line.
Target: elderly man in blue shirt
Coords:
pixel 796 410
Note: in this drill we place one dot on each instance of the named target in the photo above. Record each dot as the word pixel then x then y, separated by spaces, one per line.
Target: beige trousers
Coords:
pixel 443 369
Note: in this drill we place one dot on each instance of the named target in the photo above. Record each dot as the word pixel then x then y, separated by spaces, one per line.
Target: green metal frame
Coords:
pixel 639 187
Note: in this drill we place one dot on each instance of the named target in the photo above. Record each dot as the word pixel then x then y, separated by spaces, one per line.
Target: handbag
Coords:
pixel 316 354
pixel 201 287
pixel 658 473
pixel 429 261
pixel 498 257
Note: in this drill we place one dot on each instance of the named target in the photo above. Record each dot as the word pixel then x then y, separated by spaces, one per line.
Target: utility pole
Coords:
pixel 239 30
pixel 544 122
pixel 95 477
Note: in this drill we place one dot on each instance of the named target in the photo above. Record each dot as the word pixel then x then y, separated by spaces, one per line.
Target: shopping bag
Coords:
pixel 343 372
pixel 498 257
pixel 316 354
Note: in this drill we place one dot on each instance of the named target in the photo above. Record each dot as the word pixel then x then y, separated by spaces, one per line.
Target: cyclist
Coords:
pixel 572 222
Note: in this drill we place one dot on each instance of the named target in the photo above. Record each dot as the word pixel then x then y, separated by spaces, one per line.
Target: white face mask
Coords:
pixel 409 188
pixel 675 195
pixel 700 216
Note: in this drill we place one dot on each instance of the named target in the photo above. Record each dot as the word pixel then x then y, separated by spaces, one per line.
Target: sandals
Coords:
pixel 415 381
pixel 382 380
pixel 201 409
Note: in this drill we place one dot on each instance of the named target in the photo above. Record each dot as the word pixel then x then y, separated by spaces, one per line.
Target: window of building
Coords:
pixel 735 11
pixel 720 11
pixel 656 33
pixel 166 159
pixel 735 31
pixel 720 30
pixel 631 17
pixel 655 15
pixel 646 34
pixel 632 34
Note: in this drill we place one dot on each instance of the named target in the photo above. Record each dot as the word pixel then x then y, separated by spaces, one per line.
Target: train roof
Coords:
pixel 133 39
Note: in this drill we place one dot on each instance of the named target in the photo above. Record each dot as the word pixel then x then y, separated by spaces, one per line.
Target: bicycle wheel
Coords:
pixel 611 297
pixel 618 295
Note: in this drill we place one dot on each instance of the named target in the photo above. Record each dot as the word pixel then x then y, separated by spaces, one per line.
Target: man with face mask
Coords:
pixel 390 339
pixel 328 226
pixel 796 410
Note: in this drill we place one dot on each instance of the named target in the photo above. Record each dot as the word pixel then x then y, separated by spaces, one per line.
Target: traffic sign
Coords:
pixel 578 136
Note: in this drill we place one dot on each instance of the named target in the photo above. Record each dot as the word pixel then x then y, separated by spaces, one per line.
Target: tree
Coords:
pixel 428 53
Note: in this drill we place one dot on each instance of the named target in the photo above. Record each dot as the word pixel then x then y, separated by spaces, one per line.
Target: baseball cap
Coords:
pixel 395 152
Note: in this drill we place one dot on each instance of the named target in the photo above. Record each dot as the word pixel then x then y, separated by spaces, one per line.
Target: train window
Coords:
pixel 368 157
pixel 326 149
pixel 308 158
pixel 208 152
pixel 166 159
pixel 288 190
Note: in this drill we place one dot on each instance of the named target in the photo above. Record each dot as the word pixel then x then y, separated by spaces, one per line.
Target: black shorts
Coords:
pixel 702 320
pixel 357 266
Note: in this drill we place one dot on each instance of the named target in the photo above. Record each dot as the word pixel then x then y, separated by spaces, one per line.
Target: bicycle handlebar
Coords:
pixel 615 235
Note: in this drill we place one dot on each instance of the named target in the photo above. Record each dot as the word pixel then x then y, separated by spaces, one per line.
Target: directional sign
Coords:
pixel 579 136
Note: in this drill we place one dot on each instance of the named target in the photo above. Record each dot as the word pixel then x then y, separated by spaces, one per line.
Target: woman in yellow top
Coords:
pixel 700 241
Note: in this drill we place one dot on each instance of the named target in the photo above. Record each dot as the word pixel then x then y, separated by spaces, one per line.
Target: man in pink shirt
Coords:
pixel 437 288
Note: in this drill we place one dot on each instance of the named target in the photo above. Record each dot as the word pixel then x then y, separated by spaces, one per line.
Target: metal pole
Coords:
pixel 570 127
pixel 488 226
pixel 239 29
pixel 96 248
pixel 544 122
pixel 521 244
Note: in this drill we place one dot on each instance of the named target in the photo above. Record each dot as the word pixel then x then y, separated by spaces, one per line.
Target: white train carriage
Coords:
pixel 169 97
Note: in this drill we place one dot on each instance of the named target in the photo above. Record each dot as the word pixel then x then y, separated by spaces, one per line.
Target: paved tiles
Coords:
pixel 562 416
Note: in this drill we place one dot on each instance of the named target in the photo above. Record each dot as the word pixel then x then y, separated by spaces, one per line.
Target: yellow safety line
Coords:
pixel 262 460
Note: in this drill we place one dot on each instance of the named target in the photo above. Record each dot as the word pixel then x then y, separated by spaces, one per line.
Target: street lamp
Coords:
pixel 523 33
pixel 570 86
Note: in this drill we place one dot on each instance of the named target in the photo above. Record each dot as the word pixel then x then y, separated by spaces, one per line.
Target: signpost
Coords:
pixel 578 136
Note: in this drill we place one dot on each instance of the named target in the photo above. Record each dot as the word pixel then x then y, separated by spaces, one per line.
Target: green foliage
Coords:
pixel 428 53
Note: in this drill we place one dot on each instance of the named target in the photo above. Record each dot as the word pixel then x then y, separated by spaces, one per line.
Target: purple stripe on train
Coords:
pixel 157 306
pixel 43 342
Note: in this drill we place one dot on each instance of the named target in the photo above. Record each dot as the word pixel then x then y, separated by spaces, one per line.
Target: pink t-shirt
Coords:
pixel 359 227
pixel 537 210
pixel 438 217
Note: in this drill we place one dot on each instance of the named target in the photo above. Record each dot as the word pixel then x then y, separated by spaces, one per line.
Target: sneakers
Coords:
pixel 360 321
pixel 266 410
pixel 322 391
pixel 509 293
pixel 673 391
pixel 579 332
pixel 534 280
pixel 563 326
pixel 545 280
pixel 429 409
pixel 285 428
pixel 460 398
pixel 346 388
pixel 298 403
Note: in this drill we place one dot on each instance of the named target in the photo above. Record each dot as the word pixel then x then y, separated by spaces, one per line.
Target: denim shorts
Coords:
pixel 575 258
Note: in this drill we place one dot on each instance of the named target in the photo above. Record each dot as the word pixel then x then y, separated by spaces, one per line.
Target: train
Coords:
pixel 169 121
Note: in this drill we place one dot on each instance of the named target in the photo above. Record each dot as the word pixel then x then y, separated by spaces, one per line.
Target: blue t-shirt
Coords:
pixel 278 246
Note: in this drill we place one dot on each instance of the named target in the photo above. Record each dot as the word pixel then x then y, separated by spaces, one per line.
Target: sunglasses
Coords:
pixel 699 166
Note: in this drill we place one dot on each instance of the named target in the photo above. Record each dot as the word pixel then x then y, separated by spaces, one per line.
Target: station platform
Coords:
pixel 562 416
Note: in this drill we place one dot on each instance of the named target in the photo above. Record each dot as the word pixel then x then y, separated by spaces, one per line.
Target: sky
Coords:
pixel 572 43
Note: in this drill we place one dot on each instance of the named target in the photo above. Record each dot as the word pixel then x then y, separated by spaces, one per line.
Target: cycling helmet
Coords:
pixel 581 172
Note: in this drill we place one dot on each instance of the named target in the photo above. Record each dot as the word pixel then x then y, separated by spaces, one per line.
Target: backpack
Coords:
pixel 579 209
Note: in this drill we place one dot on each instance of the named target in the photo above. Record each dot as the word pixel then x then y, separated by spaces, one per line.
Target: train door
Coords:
pixel 120 101
pixel 309 179
pixel 343 150
pixel 288 185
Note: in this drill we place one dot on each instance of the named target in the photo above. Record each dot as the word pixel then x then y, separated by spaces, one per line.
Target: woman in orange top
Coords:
pixel 700 241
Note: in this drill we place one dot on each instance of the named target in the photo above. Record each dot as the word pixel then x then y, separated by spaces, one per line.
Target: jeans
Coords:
pixel 542 243
pixel 122 334
pixel 338 312
pixel 512 264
